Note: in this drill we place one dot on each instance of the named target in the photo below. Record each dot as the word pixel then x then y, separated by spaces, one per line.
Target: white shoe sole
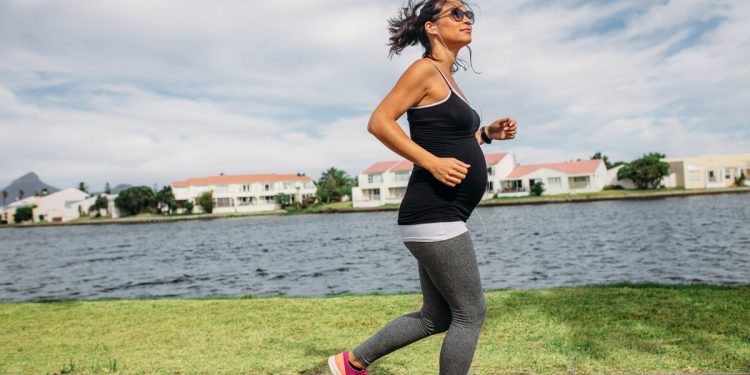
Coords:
pixel 332 366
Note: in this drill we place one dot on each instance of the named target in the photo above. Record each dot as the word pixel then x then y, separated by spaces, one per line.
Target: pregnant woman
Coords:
pixel 448 181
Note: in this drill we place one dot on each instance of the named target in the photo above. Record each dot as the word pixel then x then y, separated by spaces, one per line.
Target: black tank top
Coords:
pixel 446 129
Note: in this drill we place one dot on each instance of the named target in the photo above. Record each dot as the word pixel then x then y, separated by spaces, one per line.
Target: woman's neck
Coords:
pixel 445 56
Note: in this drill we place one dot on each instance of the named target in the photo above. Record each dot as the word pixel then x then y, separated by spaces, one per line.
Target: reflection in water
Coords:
pixel 679 240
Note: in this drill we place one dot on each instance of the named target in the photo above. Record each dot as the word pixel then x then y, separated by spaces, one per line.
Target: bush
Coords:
pixel 283 200
pixel 740 181
pixel 206 201
pixel 23 214
pixel 538 188
pixel 614 187
pixel 189 207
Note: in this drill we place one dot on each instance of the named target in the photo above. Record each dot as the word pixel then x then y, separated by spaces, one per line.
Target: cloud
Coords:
pixel 150 92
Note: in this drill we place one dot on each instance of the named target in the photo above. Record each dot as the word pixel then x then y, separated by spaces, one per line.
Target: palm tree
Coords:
pixel 5 196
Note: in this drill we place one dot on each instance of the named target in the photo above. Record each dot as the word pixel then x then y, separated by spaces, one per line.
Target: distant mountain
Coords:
pixel 29 183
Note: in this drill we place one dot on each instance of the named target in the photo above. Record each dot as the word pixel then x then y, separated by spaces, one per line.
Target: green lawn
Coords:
pixel 609 329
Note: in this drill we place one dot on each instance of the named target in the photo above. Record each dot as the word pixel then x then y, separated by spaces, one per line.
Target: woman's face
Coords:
pixel 450 28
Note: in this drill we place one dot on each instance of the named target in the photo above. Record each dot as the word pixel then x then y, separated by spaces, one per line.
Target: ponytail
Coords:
pixel 407 29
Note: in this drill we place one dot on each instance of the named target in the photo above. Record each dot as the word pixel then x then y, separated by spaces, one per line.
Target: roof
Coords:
pixel 240 179
pixel 569 167
pixel 405 165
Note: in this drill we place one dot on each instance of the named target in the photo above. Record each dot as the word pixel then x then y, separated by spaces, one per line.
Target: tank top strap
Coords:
pixel 444 78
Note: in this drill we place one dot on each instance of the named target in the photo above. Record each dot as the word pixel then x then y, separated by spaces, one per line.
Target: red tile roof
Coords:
pixel 240 179
pixel 570 167
pixel 405 165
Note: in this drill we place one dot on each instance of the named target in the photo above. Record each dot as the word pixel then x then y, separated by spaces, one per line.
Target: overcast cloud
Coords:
pixel 145 92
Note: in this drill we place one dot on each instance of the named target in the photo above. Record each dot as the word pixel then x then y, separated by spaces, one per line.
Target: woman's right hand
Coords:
pixel 449 171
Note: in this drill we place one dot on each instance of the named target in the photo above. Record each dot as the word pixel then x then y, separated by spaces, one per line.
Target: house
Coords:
pixel 707 172
pixel 385 182
pixel 583 176
pixel 9 211
pixel 61 206
pixel 244 193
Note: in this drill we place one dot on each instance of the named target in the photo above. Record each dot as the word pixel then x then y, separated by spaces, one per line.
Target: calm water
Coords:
pixel 679 240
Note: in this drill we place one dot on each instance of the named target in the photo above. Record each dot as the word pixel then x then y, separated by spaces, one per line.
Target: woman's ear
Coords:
pixel 430 28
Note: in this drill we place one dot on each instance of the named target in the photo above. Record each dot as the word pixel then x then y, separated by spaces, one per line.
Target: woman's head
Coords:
pixel 431 23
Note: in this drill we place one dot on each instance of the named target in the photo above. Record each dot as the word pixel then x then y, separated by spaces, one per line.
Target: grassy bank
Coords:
pixel 608 329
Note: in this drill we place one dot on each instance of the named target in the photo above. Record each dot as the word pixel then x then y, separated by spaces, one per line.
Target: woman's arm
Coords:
pixel 411 88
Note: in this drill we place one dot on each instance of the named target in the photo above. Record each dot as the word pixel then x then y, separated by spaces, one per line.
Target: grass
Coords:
pixel 623 328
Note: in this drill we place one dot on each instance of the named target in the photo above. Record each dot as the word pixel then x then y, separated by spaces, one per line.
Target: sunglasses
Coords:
pixel 458 15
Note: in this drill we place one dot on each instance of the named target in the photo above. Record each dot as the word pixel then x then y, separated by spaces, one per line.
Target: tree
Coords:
pixel 538 188
pixel 107 189
pixel 646 172
pixel 5 196
pixel 165 198
pixel 206 201
pixel 189 207
pixel 100 203
pixel 135 200
pixel 283 200
pixel 45 191
pixel 599 155
pixel 82 187
pixel 21 194
pixel 23 214
pixel 333 185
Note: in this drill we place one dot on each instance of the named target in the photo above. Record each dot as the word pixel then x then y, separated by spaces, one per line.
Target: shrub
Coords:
pixel 538 188
pixel 206 201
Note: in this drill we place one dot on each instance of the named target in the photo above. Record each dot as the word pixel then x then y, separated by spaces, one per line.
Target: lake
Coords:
pixel 677 240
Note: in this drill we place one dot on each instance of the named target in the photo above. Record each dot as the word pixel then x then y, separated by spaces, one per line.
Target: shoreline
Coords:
pixel 520 201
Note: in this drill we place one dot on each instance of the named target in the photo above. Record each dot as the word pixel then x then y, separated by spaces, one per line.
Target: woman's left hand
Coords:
pixel 502 129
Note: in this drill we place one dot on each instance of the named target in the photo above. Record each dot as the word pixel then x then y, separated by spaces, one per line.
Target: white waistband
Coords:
pixel 431 232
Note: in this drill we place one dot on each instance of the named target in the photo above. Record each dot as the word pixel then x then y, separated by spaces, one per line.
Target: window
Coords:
pixel 245 188
pixel 267 187
pixel 269 199
pixel 694 176
pixel 224 202
pixel 244 201
pixel 371 194
pixel 554 182
pixel 288 185
pixel 490 186
pixel 375 178
pixel 580 182
pixel 402 176
pixel 489 171
pixel 397 193
pixel 711 176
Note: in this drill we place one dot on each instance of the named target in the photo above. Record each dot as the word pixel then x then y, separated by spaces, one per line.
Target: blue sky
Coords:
pixel 148 92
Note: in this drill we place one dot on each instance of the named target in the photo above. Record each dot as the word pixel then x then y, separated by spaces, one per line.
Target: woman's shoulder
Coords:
pixel 420 69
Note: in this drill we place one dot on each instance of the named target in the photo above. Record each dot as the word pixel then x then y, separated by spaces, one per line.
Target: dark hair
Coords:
pixel 407 29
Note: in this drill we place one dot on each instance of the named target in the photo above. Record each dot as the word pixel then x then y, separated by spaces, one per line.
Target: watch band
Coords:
pixel 484 135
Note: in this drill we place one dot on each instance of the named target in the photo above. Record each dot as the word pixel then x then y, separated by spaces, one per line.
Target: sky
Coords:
pixel 149 92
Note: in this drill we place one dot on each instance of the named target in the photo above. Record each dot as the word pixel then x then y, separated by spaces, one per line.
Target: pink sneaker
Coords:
pixel 339 365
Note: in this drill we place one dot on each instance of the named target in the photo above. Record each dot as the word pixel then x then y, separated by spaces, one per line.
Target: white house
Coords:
pixel 10 210
pixel 61 206
pixel 245 193
pixel 385 182
pixel 572 177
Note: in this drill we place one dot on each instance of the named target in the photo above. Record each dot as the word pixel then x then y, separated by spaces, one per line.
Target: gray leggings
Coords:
pixel 452 301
